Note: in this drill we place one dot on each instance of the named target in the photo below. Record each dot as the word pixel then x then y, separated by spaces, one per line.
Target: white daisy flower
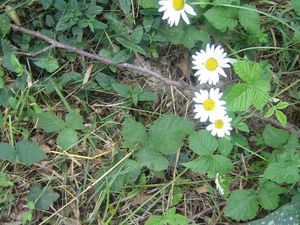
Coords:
pixel 210 64
pixel 220 126
pixel 218 185
pixel 174 9
pixel 208 104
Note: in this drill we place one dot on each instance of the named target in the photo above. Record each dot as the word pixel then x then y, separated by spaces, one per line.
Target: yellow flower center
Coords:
pixel 219 124
pixel 209 104
pixel 178 4
pixel 211 64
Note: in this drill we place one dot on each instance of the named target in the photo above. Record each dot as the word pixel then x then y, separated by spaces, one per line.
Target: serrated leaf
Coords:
pixel 67 138
pixel 296 6
pixel 125 5
pixel 239 98
pixel 247 71
pixel 211 165
pixel 137 34
pixel 49 63
pixel 104 80
pixel 167 133
pixel 29 152
pixel 121 56
pixel 152 159
pixel 202 142
pixel 74 120
pixel 260 92
pixel 222 18
pixel 249 19
pixel 134 134
pixel 122 89
pixel 7 152
pixel 281 105
pixel 281 117
pixel 224 146
pixel 242 205
pixel 43 197
pixel 282 172
pixel 268 194
pixel 275 137
pixel 4 25
pixel 50 122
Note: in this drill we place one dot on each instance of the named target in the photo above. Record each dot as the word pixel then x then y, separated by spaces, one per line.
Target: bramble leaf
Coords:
pixel 282 172
pixel 202 143
pixel 29 152
pixel 275 137
pixel 43 197
pixel 134 133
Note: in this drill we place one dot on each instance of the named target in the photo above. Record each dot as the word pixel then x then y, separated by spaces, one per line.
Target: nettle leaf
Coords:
pixel 224 146
pixel 67 138
pixel 275 137
pixel 249 19
pixel 122 89
pixel 134 134
pixel 202 142
pixel 248 71
pixel 268 194
pixel 239 98
pixel 167 133
pixel 74 120
pixel 50 122
pixel 104 80
pixel 4 25
pixel 282 172
pixel 48 62
pixel 7 152
pixel 43 197
pixel 222 18
pixel 242 205
pixel 152 159
pixel 211 165
pixel 296 6
pixel 29 152
pixel 260 91
pixel 137 34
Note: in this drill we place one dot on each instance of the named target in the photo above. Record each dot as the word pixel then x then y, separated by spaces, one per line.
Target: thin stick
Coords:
pixel 33 54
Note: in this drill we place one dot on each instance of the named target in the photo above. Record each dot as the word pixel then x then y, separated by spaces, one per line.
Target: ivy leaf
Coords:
pixel 212 165
pixel 239 98
pixel 268 194
pixel 282 172
pixel 152 159
pixel 7 152
pixel 249 19
pixel 43 197
pixel 74 120
pixel 67 138
pixel 50 122
pixel 203 143
pixel 167 133
pixel 222 18
pixel 242 205
pixel 134 133
pixel 29 152
pixel 275 137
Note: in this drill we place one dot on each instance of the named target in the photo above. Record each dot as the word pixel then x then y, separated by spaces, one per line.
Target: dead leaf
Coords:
pixel 183 64
pixel 202 189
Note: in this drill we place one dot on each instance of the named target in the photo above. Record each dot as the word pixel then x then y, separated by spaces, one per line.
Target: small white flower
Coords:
pixel 208 104
pixel 174 9
pixel 218 185
pixel 220 126
pixel 210 64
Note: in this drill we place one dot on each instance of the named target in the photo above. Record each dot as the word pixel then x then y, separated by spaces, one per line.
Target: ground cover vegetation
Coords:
pixel 149 112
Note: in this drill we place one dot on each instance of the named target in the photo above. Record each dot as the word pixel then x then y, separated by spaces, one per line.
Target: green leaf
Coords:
pixel 222 18
pixel 210 164
pixel 49 63
pixel 43 197
pixel 247 71
pixel 104 80
pixel 50 122
pixel 7 152
pixel 146 96
pixel 225 146
pixel 152 159
pixel 281 117
pixel 67 138
pixel 275 137
pixel 137 34
pixel 156 220
pixel 175 219
pixel 296 6
pixel 282 105
pixel 4 182
pixel 242 205
pixel 4 25
pixel 122 89
pixel 134 134
pixel 242 127
pixel 147 4
pixel 268 194
pixel 125 5
pixel 202 143
pixel 282 172
pixel 239 98
pixel 249 19
pixel 167 133
pixel 270 112
pixel 29 152
pixel 74 120
pixel 260 92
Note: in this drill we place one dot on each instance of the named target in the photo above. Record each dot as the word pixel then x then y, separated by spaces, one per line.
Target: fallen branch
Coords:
pixel 141 70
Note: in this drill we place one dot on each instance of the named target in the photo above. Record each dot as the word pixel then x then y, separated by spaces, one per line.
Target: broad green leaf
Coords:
pixel 282 172
pixel 74 120
pixel 175 219
pixel 222 18
pixel 239 98
pixel 29 152
pixel 296 6
pixel 292 144
pixel 242 127
pixel 275 137
pixel 46 3
pixel 247 71
pixel 146 4
pixel 50 122
pixel 260 92
pixel 152 159
pixel 134 134
pixel 210 164
pixel 137 34
pixel 249 19
pixel 202 142
pixel 49 63
pixel 121 56
pixel 104 80
pixel 125 5
pixel 146 96
pixel 281 117
pixel 43 197
pixel 242 205
pixel 7 152
pixel 282 105
pixel 268 194
pixel 131 171
pixel 67 138
pixel 122 89
pixel 225 146
pixel 4 25
pixel 167 133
